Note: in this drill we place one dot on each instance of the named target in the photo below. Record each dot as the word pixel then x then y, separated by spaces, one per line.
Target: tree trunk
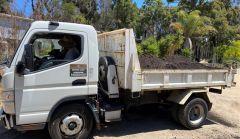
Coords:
pixel 188 43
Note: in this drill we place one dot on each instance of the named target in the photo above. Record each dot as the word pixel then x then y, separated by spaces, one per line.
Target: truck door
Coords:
pixel 58 71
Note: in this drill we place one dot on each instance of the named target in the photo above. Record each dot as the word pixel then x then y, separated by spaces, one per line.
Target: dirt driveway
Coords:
pixel 223 123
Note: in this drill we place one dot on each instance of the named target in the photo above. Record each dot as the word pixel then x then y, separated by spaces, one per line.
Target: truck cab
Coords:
pixel 45 72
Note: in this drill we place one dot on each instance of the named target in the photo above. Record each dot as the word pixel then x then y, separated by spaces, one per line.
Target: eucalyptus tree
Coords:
pixel 105 18
pixel 191 5
pixel 226 22
pixel 125 13
pixel 156 17
pixel 85 8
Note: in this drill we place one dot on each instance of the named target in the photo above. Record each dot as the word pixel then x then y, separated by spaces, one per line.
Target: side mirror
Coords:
pixel 20 68
pixel 29 56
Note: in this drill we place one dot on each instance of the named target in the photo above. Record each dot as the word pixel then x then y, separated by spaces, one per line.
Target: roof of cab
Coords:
pixel 63 26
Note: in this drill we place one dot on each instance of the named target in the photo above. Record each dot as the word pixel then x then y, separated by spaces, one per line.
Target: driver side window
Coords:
pixel 51 49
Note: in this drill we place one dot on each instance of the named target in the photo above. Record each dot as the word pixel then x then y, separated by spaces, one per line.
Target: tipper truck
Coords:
pixel 70 79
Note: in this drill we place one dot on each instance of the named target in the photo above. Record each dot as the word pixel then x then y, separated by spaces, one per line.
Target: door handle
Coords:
pixel 79 82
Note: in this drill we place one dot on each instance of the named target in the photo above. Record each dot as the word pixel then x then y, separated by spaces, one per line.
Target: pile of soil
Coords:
pixel 172 62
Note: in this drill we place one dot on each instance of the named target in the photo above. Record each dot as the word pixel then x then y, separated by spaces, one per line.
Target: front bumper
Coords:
pixel 4 119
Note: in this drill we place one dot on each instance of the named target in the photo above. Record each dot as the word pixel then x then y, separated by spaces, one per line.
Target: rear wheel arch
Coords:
pixel 204 96
pixel 181 98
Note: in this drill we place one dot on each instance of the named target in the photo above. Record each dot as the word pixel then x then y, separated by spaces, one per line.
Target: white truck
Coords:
pixel 68 78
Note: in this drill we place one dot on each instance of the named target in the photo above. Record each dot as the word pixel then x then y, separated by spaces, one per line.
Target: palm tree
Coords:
pixel 193 25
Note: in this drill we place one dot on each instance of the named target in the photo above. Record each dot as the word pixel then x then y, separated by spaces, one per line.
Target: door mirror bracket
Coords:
pixel 20 68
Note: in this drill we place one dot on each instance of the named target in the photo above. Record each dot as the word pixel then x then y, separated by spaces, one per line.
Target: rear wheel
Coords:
pixel 193 114
pixel 174 112
pixel 71 122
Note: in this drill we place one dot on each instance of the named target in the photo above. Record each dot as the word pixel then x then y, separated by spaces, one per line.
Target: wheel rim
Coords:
pixel 71 125
pixel 196 114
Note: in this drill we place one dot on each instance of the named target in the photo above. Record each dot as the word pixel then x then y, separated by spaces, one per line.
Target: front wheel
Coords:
pixel 193 114
pixel 71 122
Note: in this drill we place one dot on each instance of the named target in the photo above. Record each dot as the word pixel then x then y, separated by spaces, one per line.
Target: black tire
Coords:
pixel 174 112
pixel 188 113
pixel 104 63
pixel 103 69
pixel 78 109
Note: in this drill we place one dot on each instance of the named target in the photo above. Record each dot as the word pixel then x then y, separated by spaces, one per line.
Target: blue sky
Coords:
pixel 28 10
pixel 140 2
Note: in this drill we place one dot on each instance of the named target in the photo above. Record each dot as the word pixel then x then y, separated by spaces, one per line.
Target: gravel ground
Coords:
pixel 223 123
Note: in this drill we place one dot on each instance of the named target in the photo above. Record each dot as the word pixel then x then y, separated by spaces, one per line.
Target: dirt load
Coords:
pixel 172 62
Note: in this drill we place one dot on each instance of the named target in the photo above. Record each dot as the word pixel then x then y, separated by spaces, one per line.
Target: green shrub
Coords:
pixel 228 54
pixel 166 46
pixel 219 52
pixel 148 46
pixel 187 52
pixel 232 54
pixel 170 43
pixel 139 49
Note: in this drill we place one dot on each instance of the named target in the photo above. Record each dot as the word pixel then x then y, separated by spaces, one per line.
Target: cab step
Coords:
pixel 112 112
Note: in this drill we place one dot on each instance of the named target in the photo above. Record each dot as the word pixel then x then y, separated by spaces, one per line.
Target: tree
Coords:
pixel 232 54
pixel 226 21
pixel 105 20
pixel 53 9
pixel 87 9
pixel 37 8
pixel 125 13
pixel 169 44
pixel 5 6
pixel 191 5
pixel 228 54
pixel 156 18
pixel 66 11
pixel 149 46
pixel 194 25
pixel 71 14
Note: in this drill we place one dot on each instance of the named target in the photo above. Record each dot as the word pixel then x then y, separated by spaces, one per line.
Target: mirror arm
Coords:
pixel 20 68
